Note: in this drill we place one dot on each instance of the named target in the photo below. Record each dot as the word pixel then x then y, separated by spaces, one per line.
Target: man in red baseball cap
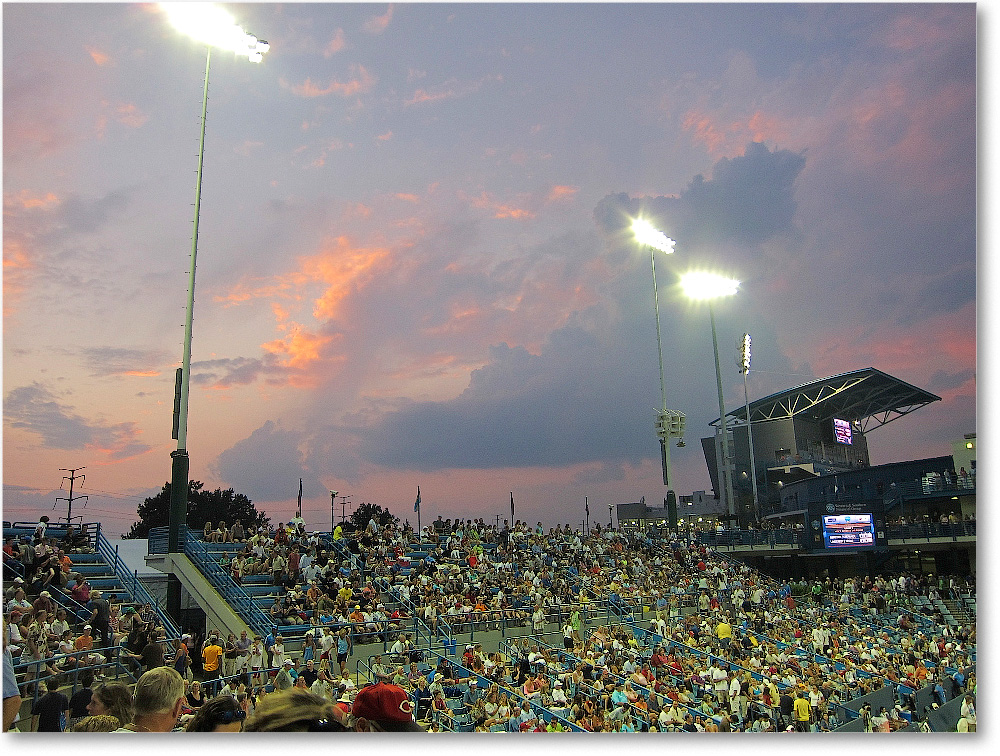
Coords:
pixel 383 708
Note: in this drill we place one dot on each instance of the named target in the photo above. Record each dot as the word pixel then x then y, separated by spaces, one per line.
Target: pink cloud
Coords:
pixel 728 138
pixel 99 57
pixel 924 32
pixel 360 84
pixel 500 209
pixel 943 342
pixel 422 95
pixel 448 90
pixel 561 193
pixel 17 263
pixel 129 115
pixel 378 24
pixel 384 137
pixel 28 200
pixel 335 45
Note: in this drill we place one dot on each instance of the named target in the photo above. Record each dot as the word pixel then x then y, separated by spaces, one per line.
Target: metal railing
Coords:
pixel 234 594
pixel 131 583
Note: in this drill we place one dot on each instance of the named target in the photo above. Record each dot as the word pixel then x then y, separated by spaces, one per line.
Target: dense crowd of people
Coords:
pixel 696 642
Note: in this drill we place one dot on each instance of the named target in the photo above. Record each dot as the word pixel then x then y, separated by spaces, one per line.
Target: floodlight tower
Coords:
pixel 709 286
pixel 213 26
pixel 669 423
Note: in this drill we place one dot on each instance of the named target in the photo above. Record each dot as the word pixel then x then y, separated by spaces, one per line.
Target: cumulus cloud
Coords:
pixel 37 409
pixel 266 466
pixel 748 199
pixel 521 409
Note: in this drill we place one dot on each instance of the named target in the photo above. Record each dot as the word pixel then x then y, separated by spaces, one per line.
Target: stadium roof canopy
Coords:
pixel 869 396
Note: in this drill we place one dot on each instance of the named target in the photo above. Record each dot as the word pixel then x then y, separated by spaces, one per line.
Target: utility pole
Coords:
pixel 343 506
pixel 72 478
pixel 333 511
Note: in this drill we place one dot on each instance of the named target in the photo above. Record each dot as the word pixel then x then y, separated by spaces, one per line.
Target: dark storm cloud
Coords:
pixel 579 399
pixel 943 381
pixel 748 199
pixel 560 407
pixel 266 466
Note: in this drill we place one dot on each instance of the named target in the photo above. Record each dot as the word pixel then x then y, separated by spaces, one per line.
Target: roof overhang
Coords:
pixel 869 397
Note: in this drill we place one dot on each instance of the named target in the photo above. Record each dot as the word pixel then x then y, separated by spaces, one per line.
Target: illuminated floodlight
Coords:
pixel 702 285
pixel 211 24
pixel 646 234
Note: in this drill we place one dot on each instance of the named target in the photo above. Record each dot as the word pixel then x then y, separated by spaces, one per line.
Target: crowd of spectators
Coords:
pixel 726 648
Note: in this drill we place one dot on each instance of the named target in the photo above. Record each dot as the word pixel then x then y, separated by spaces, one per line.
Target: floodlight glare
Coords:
pixel 652 237
pixel 702 285
pixel 208 23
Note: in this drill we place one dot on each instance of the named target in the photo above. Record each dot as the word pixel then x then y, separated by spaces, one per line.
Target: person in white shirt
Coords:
pixel 735 688
pixel 559 699
pixel 256 657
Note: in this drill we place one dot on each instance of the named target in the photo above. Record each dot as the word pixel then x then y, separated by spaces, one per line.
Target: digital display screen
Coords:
pixel 848 531
pixel 842 431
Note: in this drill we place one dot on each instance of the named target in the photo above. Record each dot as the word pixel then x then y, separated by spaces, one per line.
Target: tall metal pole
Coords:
pixel 664 439
pixel 180 462
pixel 725 478
pixel 753 466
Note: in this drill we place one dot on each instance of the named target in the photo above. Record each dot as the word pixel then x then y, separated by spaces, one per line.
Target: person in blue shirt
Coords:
pixel 269 648
pixel 11 693
pixel 343 650
pixel 473 694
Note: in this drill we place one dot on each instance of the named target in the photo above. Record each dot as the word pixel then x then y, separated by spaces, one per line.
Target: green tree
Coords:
pixel 203 506
pixel 359 517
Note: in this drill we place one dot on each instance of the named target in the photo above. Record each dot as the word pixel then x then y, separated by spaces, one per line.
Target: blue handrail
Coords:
pixel 130 581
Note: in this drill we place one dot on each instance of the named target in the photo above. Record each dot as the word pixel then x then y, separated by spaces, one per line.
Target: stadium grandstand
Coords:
pixel 846 604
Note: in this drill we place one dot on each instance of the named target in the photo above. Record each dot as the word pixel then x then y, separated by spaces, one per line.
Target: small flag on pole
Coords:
pixel 416 504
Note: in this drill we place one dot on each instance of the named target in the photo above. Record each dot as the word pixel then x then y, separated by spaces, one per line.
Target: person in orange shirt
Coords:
pixel 212 655
pixel 86 641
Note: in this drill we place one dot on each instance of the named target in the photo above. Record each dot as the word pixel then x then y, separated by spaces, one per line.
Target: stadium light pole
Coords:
pixel 744 358
pixel 669 423
pixel 708 287
pixel 213 26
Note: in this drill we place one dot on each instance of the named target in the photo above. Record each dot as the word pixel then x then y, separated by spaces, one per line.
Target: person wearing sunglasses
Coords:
pixel 219 714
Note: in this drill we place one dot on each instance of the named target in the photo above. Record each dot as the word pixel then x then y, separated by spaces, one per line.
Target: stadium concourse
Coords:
pixel 469 627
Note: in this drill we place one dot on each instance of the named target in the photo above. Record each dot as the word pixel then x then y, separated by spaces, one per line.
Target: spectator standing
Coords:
pixel 11 693
pixel 212 657
pixel 802 712
pixel 100 617
pixel 50 712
